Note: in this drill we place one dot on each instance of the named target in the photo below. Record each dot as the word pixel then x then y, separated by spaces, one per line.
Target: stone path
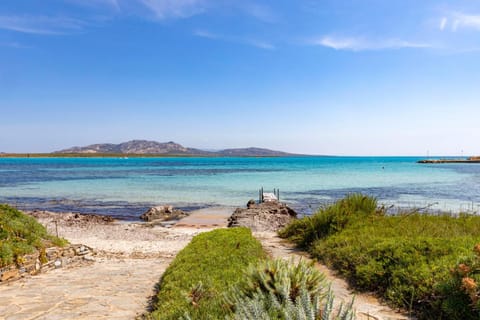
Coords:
pixel 367 306
pixel 129 261
pixel 110 288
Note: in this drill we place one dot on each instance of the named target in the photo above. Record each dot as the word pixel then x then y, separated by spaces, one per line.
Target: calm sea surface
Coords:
pixel 126 187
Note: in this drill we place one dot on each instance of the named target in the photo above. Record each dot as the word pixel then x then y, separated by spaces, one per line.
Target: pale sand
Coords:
pixel 129 261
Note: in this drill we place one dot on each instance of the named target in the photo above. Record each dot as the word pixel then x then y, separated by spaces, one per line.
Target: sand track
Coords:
pixel 366 306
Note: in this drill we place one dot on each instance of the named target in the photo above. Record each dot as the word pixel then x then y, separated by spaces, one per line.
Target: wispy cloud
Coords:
pixel 241 40
pixel 205 34
pixel 458 20
pixel 41 24
pixel 443 23
pixel 164 9
pixel 113 4
pixel 363 44
pixel 176 9
pixel 260 44
pixel 260 12
pixel 15 45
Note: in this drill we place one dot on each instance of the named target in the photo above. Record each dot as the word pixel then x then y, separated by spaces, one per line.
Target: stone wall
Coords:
pixel 44 260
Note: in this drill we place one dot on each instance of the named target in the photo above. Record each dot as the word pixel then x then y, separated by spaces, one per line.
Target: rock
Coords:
pixel 267 216
pixel 251 203
pixel 163 213
pixel 9 273
pixel 58 263
pixel 82 250
pixel 88 257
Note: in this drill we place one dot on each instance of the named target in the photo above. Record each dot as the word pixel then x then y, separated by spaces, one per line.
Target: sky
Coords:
pixel 350 77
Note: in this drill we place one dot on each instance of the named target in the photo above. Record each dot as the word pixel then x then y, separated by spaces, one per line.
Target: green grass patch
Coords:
pixel 21 234
pixel 201 274
pixel 407 259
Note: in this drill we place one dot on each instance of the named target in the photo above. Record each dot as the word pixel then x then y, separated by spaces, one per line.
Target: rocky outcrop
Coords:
pixel 267 216
pixel 71 218
pixel 163 213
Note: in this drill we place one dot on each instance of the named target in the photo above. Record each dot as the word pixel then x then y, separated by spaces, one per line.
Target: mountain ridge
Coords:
pixel 168 148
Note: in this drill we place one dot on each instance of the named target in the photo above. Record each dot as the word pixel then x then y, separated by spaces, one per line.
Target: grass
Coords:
pixel 21 234
pixel 408 259
pixel 201 274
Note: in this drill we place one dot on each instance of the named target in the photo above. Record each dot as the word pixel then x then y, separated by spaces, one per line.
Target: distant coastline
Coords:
pixel 464 160
pixel 143 155
pixel 150 149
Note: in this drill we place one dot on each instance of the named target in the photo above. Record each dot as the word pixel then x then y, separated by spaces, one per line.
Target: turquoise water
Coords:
pixel 124 187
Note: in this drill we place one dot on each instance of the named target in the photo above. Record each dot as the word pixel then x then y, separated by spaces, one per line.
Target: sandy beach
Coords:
pixel 128 261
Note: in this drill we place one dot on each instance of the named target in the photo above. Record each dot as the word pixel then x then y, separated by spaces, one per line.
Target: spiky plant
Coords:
pixel 305 307
pixel 283 279
pixel 278 289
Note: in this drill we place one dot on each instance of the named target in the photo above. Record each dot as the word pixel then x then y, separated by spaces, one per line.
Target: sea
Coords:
pixel 126 187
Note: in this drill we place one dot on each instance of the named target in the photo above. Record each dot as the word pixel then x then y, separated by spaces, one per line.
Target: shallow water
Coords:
pixel 126 187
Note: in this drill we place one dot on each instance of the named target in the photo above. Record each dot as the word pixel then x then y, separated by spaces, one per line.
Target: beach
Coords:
pixel 120 278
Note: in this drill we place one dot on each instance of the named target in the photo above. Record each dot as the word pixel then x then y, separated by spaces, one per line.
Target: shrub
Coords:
pixel 330 219
pixel 197 280
pixel 460 294
pixel 405 258
pixel 21 234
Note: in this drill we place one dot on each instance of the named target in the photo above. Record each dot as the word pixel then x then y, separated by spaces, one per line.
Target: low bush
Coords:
pixel 197 280
pixel 331 219
pixel 406 258
pixel 21 234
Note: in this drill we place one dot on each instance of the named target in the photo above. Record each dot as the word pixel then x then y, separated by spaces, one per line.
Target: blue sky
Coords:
pixel 351 77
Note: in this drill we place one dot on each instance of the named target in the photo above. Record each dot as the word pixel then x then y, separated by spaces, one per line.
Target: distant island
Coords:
pixel 145 147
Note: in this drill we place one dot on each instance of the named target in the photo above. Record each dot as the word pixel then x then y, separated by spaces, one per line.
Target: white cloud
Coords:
pixel 260 44
pixel 455 21
pixel 205 34
pixel 467 21
pixel 443 23
pixel 15 45
pixel 260 12
pixel 114 4
pixel 41 24
pixel 362 44
pixel 164 9
pixel 241 40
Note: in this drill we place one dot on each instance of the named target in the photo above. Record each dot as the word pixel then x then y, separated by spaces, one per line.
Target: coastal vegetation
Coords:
pixel 422 263
pixel 202 272
pixel 21 234
pixel 280 289
pixel 225 274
